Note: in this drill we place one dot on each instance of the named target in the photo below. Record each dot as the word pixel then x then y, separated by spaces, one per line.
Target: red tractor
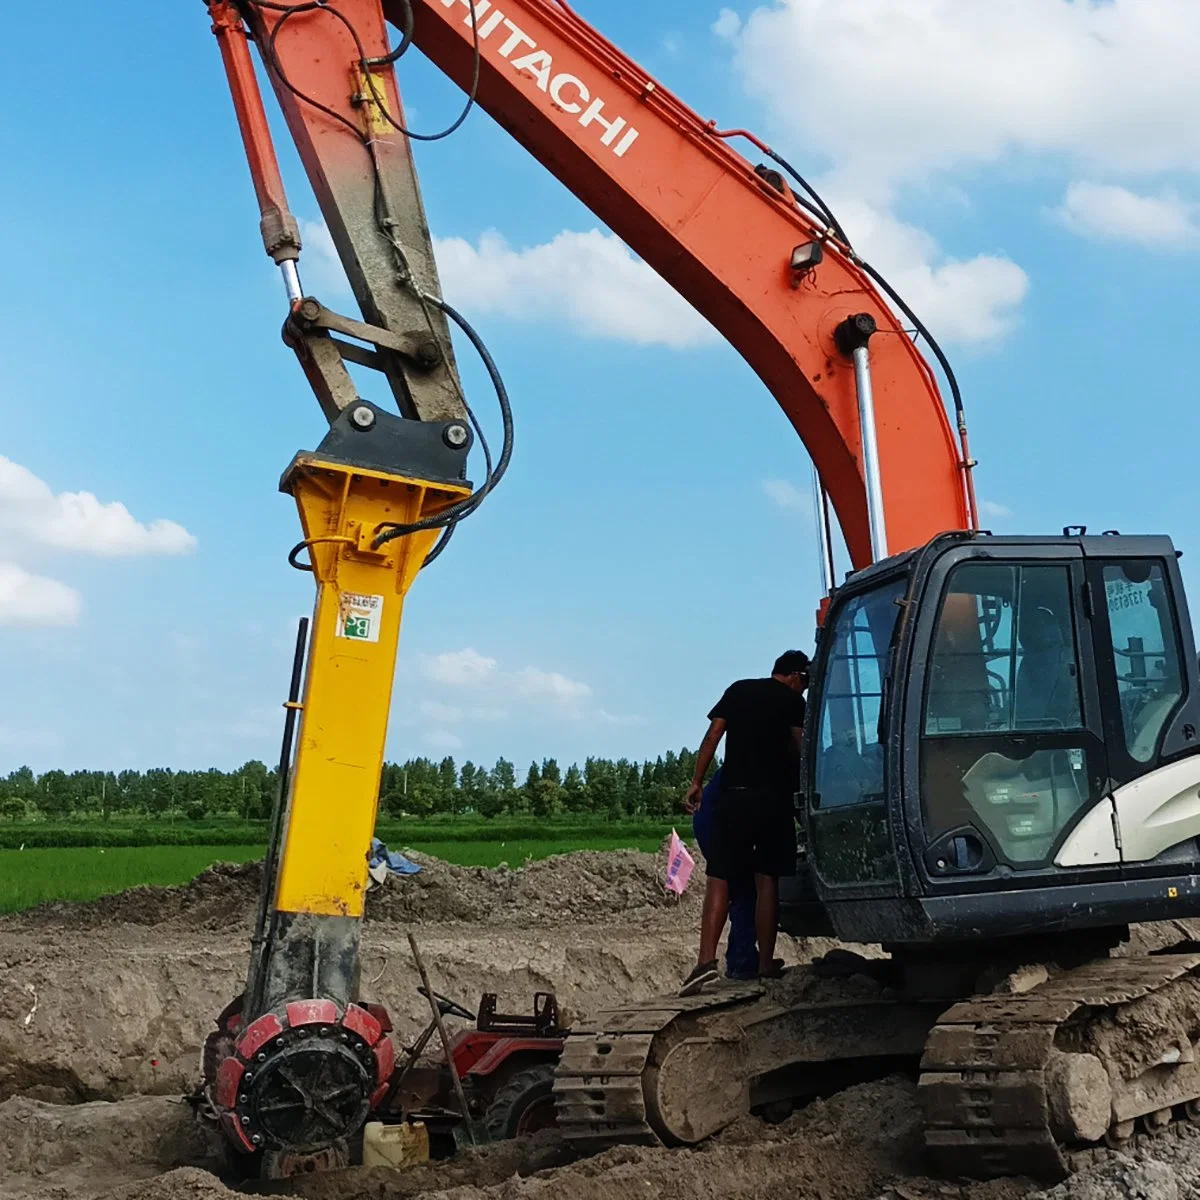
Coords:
pixel 506 1063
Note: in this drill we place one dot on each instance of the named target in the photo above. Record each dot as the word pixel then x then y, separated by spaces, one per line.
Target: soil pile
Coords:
pixel 1165 1169
pixel 860 1145
pixel 582 886
pixel 87 1148
pixel 223 895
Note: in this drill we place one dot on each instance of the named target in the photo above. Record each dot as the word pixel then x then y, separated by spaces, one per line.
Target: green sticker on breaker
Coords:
pixel 359 617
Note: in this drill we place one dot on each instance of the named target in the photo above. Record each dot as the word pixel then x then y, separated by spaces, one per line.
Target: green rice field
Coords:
pixel 38 875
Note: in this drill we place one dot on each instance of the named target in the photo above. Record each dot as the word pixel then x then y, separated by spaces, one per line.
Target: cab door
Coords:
pixel 1146 664
pixel 1010 750
pixel 846 772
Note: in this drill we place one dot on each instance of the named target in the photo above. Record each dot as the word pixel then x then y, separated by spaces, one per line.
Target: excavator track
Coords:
pixel 601 1086
pixel 1002 1096
pixel 1086 1062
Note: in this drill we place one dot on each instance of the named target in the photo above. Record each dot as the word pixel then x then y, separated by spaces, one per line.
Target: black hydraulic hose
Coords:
pixel 266 891
pixel 392 56
pixel 920 327
pixel 824 210
pixel 464 507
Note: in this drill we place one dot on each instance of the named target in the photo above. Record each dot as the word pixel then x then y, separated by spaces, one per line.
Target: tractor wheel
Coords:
pixel 523 1105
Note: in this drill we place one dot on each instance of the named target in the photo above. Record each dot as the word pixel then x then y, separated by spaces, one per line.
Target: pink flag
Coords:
pixel 679 865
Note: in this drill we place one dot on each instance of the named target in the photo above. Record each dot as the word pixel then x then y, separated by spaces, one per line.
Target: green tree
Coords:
pixel 489 801
pixel 21 782
pixel 548 796
pixel 160 787
pixel 632 799
pixel 603 787
pixel 254 792
pixel 448 797
pixel 533 780
pixel 575 793
pixel 13 808
pixel 504 780
pixel 53 794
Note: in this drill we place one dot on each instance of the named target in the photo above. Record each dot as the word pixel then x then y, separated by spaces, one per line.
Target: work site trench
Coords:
pixel 104 1006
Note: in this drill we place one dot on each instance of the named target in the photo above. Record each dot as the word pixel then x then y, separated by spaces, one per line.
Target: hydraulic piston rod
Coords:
pixel 853 338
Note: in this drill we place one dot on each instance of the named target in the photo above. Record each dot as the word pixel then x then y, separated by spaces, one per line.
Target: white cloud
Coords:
pixel 27 599
pixel 920 85
pixel 727 25
pixel 454 714
pixel 991 508
pixel 971 300
pixel 1115 214
pixel 459 668
pixel 32 513
pixel 923 88
pixel 587 281
pixel 527 688
pixel 671 44
pixel 787 495
pixel 534 683
pixel 619 719
pixel 443 739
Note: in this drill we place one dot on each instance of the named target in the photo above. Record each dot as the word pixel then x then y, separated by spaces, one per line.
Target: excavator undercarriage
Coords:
pixel 1050 1068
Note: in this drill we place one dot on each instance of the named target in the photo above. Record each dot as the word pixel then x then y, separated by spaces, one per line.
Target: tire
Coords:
pixel 523 1105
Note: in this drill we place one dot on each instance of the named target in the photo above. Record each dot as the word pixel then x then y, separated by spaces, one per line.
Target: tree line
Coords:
pixel 420 787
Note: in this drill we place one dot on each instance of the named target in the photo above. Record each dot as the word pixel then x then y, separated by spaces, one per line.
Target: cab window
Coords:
pixel 849 767
pixel 1004 654
pixel 1004 747
pixel 1149 667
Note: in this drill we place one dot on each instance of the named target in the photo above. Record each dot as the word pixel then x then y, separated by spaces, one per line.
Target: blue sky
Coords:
pixel 1026 176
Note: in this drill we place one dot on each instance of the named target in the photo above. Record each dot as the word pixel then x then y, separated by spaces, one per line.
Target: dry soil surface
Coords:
pixel 103 1008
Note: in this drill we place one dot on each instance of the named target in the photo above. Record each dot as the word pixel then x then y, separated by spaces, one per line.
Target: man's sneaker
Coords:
pixel 703 973
pixel 774 971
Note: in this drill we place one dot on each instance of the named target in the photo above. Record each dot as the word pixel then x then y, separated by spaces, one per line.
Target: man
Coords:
pixel 741 955
pixel 754 819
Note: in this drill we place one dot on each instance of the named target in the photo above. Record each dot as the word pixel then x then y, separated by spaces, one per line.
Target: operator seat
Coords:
pixel 1047 690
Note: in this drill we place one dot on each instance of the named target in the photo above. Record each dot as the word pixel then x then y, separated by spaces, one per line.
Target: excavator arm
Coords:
pixel 767 272
pixel 732 242
pixel 298 1061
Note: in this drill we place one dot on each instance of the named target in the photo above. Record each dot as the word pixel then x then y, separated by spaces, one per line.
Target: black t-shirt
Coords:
pixel 759 716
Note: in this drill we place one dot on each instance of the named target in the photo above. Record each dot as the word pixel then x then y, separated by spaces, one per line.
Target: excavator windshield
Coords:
pixel 1004 745
pixel 849 753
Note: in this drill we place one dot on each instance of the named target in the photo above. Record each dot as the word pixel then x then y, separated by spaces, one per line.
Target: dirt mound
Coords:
pixel 1167 1168
pixel 584 885
pixel 848 1148
pixel 1160 935
pixel 186 1183
pixel 222 896
pixel 87 1147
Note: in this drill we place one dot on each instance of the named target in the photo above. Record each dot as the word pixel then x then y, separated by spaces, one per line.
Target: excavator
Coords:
pixel 1001 771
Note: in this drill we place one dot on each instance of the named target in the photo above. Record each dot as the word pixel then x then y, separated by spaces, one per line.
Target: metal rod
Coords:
pixel 968 468
pixel 266 892
pixel 291 280
pixel 821 511
pixel 870 448
pixel 441 1028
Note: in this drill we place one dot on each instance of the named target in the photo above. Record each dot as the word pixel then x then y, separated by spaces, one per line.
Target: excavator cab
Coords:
pixel 1002 740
